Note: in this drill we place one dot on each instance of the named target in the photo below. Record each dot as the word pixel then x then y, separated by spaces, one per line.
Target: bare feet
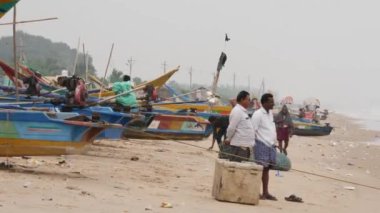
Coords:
pixel 268 197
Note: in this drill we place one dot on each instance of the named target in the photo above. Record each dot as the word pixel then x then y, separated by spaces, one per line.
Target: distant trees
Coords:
pixel 45 56
pixel 115 76
pixel 137 80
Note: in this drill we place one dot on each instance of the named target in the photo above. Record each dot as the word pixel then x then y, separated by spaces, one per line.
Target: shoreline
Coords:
pixel 367 123
pixel 106 179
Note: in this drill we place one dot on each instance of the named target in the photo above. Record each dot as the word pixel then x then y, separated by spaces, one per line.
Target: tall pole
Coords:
pixel 191 76
pixel 105 73
pixel 76 57
pixel 130 63
pixel 234 84
pixel 85 63
pixel 164 66
pixel 15 51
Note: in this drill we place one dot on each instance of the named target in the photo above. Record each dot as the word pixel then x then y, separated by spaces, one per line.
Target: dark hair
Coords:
pixel 126 78
pixel 265 98
pixel 242 95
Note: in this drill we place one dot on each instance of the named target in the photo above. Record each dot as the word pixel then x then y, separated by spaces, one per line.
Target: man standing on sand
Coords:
pixel 265 134
pixel 240 129
pixel 284 127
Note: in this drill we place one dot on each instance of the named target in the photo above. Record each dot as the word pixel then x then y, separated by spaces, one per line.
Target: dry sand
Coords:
pixel 107 180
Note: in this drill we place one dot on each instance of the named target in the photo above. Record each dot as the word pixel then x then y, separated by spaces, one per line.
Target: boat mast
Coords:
pixel 14 52
pixel 105 73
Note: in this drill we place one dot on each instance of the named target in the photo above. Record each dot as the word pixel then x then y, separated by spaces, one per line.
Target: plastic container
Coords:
pixel 237 182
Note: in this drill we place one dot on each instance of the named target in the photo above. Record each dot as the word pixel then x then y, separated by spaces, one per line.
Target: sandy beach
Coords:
pixel 105 179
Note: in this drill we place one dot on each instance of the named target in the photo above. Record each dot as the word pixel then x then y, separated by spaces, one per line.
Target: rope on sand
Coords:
pixel 248 159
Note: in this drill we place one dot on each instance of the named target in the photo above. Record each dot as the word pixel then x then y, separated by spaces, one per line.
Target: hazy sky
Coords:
pixel 324 48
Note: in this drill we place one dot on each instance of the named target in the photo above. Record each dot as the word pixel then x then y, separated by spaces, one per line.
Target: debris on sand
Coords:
pixel 166 205
pixel 134 158
pixel 84 193
pixel 61 162
pixel 350 188
pixel 27 184
pixel 72 188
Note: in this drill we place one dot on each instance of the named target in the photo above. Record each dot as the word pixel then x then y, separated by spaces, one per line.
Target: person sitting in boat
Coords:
pixel 76 90
pixel 128 100
pixel 301 113
pixel 33 85
pixel 150 96
pixel 284 128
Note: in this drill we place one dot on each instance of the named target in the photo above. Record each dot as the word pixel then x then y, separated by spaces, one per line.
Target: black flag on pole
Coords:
pixel 226 38
pixel 222 61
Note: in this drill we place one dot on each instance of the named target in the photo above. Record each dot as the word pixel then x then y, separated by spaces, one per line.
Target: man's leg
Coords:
pixel 265 179
pixel 280 146
pixel 286 146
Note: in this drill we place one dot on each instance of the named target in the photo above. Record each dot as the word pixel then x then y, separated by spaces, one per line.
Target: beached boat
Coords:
pixel 29 133
pixel 223 110
pixel 175 127
pixel 311 129
pixel 108 115
pixel 156 83
pixel 103 114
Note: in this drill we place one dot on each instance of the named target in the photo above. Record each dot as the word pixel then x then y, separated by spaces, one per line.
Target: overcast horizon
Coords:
pixel 325 49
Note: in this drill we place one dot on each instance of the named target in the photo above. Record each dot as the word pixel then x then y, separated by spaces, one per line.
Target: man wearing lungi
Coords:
pixel 265 134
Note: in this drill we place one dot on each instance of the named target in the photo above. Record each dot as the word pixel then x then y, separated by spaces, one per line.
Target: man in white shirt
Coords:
pixel 266 136
pixel 240 130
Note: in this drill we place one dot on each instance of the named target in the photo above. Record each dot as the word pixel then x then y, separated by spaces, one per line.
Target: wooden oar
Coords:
pixel 60 89
pixel 183 102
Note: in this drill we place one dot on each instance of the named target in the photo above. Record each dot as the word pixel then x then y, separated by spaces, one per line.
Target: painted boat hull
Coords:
pixel 171 127
pixel 106 114
pixel 223 110
pixel 312 130
pixel 11 147
pixel 161 135
pixel 40 133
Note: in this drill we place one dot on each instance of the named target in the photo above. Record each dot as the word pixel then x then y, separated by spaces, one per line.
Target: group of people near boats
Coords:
pixel 77 92
pixel 254 137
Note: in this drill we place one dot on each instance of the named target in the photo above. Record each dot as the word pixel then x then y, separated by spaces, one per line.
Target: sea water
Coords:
pixel 368 118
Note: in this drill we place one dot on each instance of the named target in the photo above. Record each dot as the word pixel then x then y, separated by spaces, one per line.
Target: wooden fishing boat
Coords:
pixel 30 133
pixel 103 114
pixel 25 72
pixel 311 129
pixel 174 127
pixel 167 111
pixel 223 110
pixel 106 114
pixel 156 83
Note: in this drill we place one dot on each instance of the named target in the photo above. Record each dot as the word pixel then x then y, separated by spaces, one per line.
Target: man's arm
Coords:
pixel 255 122
pixel 213 138
pixel 235 117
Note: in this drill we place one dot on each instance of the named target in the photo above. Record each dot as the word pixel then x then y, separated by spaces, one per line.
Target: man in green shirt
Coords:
pixel 128 100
